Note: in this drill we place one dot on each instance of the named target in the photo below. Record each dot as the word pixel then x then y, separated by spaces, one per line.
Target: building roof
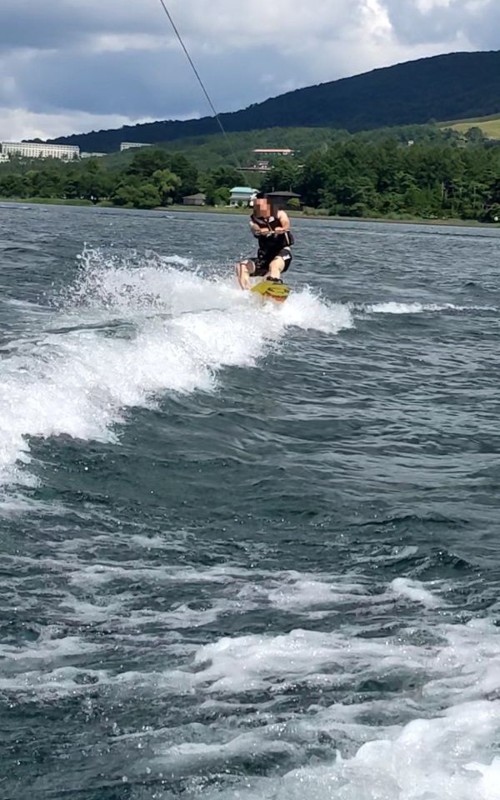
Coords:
pixel 197 196
pixel 282 194
pixel 243 189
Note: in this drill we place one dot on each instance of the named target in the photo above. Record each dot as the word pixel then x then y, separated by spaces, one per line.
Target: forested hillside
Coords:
pixel 455 86
pixel 208 152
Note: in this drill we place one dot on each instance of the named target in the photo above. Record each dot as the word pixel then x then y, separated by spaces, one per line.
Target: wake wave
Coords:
pixel 419 308
pixel 127 331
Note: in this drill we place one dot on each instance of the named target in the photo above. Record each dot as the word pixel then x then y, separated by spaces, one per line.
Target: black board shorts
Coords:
pixel 258 267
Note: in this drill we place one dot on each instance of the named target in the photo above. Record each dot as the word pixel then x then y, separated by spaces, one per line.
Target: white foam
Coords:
pixel 185 330
pixel 449 752
pixel 463 667
pixel 489 784
pixel 258 662
pixel 306 311
pixel 427 760
pixel 97 575
pixel 249 746
pixel 420 308
pixel 47 649
pixel 57 683
pixel 403 308
pixel 73 681
pixel 415 591
pixel 300 592
pixel 450 688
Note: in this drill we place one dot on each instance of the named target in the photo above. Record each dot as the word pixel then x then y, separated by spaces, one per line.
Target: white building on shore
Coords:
pixel 39 150
pixel 242 195
pixel 131 145
pixel 265 152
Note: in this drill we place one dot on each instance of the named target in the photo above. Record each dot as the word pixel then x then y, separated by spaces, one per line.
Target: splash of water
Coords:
pixel 128 330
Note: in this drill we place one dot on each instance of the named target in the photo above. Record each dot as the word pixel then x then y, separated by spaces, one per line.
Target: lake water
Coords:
pixel 247 551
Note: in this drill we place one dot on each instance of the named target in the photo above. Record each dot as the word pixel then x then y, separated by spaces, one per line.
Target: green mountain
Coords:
pixel 455 86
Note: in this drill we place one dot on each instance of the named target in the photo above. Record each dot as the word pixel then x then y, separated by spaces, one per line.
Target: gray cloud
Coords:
pixel 437 21
pixel 62 23
pixel 135 83
pixel 100 60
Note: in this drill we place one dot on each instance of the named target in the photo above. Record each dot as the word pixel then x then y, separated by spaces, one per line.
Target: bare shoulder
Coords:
pixel 283 218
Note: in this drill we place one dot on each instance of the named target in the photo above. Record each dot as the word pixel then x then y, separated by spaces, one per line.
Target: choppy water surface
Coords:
pixel 247 551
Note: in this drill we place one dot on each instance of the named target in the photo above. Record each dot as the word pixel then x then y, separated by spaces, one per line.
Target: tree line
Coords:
pixel 354 178
pixel 153 178
pixel 389 180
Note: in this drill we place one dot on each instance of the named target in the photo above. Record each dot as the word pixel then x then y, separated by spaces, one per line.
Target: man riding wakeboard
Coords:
pixel 275 239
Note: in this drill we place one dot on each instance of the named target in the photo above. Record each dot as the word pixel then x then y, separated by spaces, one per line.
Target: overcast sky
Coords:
pixel 77 65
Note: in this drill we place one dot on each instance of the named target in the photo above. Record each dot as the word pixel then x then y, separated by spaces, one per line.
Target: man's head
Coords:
pixel 262 206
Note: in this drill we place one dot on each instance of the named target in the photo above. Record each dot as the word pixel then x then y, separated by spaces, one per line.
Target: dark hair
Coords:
pixel 261 196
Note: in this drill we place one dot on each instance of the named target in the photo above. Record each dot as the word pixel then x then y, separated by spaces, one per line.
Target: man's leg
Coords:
pixel 279 264
pixel 243 271
pixel 276 267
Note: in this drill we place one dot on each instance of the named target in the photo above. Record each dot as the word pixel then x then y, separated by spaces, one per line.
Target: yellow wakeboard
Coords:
pixel 274 291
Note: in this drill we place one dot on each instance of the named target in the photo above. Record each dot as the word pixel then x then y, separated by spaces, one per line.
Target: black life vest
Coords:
pixel 272 243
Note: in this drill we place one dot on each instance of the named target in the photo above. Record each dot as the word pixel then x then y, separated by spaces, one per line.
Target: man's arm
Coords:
pixel 285 222
pixel 257 230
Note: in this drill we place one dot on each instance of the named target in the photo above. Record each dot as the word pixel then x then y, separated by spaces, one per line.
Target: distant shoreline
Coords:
pixel 449 222
pixel 318 217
